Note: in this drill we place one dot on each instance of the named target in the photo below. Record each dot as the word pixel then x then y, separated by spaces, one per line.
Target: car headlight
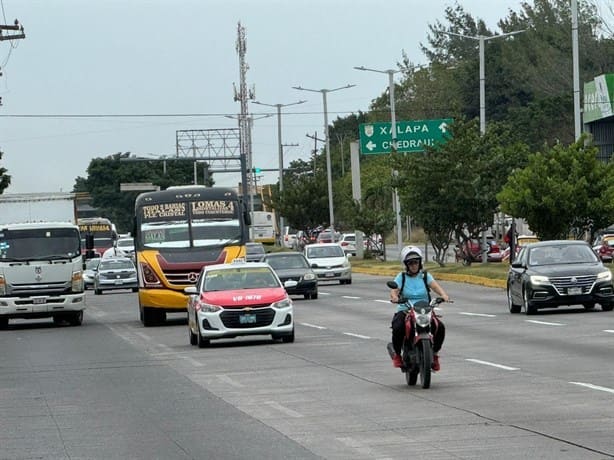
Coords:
pixel 538 279
pixel 282 304
pixel 208 308
pixel 309 276
pixel 605 276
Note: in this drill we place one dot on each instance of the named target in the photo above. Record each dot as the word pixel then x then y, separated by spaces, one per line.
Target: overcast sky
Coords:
pixel 117 57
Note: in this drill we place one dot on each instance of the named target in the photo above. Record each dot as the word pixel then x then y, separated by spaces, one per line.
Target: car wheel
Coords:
pixel 607 307
pixel 288 338
pixel 314 295
pixel 510 303
pixel 4 323
pixel 306 296
pixel 98 291
pixel 201 341
pixel 193 338
pixel 589 305
pixel 136 289
pixel 528 308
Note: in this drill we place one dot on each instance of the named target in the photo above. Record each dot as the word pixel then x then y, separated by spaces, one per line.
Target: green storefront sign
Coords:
pixel 411 136
pixel 598 98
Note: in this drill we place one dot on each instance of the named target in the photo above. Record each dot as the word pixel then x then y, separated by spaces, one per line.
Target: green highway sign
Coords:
pixel 412 136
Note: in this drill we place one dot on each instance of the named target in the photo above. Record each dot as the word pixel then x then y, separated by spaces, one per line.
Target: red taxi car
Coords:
pixel 238 299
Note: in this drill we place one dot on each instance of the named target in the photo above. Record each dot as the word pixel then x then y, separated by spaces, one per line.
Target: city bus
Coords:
pixel 101 229
pixel 264 227
pixel 177 232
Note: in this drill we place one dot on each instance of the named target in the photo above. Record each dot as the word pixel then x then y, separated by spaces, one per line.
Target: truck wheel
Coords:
pixel 76 319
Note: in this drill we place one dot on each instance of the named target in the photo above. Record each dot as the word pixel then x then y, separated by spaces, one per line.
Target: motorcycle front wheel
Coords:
pixel 426 361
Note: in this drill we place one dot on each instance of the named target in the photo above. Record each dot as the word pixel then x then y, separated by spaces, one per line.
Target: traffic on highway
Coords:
pixel 510 386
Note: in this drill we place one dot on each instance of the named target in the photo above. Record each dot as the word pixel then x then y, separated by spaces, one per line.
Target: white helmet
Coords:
pixel 409 253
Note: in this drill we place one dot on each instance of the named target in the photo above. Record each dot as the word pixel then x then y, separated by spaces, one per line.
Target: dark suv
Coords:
pixel 549 274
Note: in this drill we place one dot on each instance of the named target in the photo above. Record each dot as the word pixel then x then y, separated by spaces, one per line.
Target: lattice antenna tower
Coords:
pixel 243 94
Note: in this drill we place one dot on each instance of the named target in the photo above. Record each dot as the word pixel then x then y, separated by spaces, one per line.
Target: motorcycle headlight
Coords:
pixel 282 304
pixel 605 276
pixel 538 279
pixel 423 320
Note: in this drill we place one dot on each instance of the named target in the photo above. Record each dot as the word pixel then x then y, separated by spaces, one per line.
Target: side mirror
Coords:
pixel 517 265
pixel 392 285
pixel 190 290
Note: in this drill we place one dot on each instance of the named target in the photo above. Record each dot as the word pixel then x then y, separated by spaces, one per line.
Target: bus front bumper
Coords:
pixel 163 298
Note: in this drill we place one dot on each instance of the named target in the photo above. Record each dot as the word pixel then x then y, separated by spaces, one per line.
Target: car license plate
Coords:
pixel 119 282
pixel 247 318
pixel 38 301
pixel 574 290
pixel 329 275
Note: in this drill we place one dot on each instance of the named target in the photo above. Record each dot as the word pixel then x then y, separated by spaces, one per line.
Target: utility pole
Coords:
pixel 324 92
pixel 315 148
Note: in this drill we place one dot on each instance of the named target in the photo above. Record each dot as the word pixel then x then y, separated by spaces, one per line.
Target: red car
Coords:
pixel 472 251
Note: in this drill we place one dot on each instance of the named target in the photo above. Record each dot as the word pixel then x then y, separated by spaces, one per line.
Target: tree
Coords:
pixel 451 189
pixel 562 191
pixel 5 179
pixel 106 174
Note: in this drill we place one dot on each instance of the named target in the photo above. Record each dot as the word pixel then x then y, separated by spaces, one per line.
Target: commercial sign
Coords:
pixel 412 136
pixel 598 98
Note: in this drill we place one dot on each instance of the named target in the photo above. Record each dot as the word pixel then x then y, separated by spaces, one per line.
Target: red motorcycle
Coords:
pixel 417 350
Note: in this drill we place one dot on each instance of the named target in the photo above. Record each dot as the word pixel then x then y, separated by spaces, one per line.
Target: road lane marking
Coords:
pixel 143 336
pixel 324 293
pixel 611 331
pixel 193 362
pixel 383 301
pixel 312 325
pixel 289 412
pixel 357 335
pixel 477 314
pixel 350 297
pixel 593 387
pixel 545 323
pixel 486 363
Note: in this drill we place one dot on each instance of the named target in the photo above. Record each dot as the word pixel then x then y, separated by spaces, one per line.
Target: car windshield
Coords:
pixel 111 264
pixel 240 278
pixel 324 251
pixel 289 261
pixel 92 264
pixel 561 254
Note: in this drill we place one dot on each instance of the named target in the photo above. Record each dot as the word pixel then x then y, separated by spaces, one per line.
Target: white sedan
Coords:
pixel 329 262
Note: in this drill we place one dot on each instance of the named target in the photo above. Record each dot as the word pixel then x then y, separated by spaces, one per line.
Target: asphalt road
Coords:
pixel 511 386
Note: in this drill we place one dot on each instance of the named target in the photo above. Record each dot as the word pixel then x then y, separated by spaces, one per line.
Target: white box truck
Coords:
pixel 41 266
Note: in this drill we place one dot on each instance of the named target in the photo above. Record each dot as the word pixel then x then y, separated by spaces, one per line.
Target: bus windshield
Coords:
pixel 190 222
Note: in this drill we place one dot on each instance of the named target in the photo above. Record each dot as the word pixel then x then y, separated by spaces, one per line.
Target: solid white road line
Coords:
pixel 545 323
pixel 486 363
pixel 357 335
pixel 477 314
pixel 593 387
pixel 350 297
pixel 383 301
pixel 611 331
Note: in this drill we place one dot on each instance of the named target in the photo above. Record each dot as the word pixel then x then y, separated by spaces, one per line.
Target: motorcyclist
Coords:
pixel 413 282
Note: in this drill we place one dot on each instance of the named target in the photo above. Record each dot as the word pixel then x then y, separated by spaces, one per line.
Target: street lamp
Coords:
pixel 393 124
pixel 328 167
pixel 281 149
pixel 481 39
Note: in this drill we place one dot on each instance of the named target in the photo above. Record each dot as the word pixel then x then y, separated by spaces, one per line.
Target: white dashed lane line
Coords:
pixel 350 297
pixel 351 334
pixel 312 325
pixel 486 363
pixel 593 387
pixel 485 315
pixel 545 323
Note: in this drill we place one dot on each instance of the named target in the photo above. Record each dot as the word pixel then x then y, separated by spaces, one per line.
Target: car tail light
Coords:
pixel 344 243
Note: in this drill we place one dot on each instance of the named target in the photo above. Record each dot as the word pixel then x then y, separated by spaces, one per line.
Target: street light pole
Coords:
pixel 481 40
pixel 281 149
pixel 329 178
pixel 393 123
